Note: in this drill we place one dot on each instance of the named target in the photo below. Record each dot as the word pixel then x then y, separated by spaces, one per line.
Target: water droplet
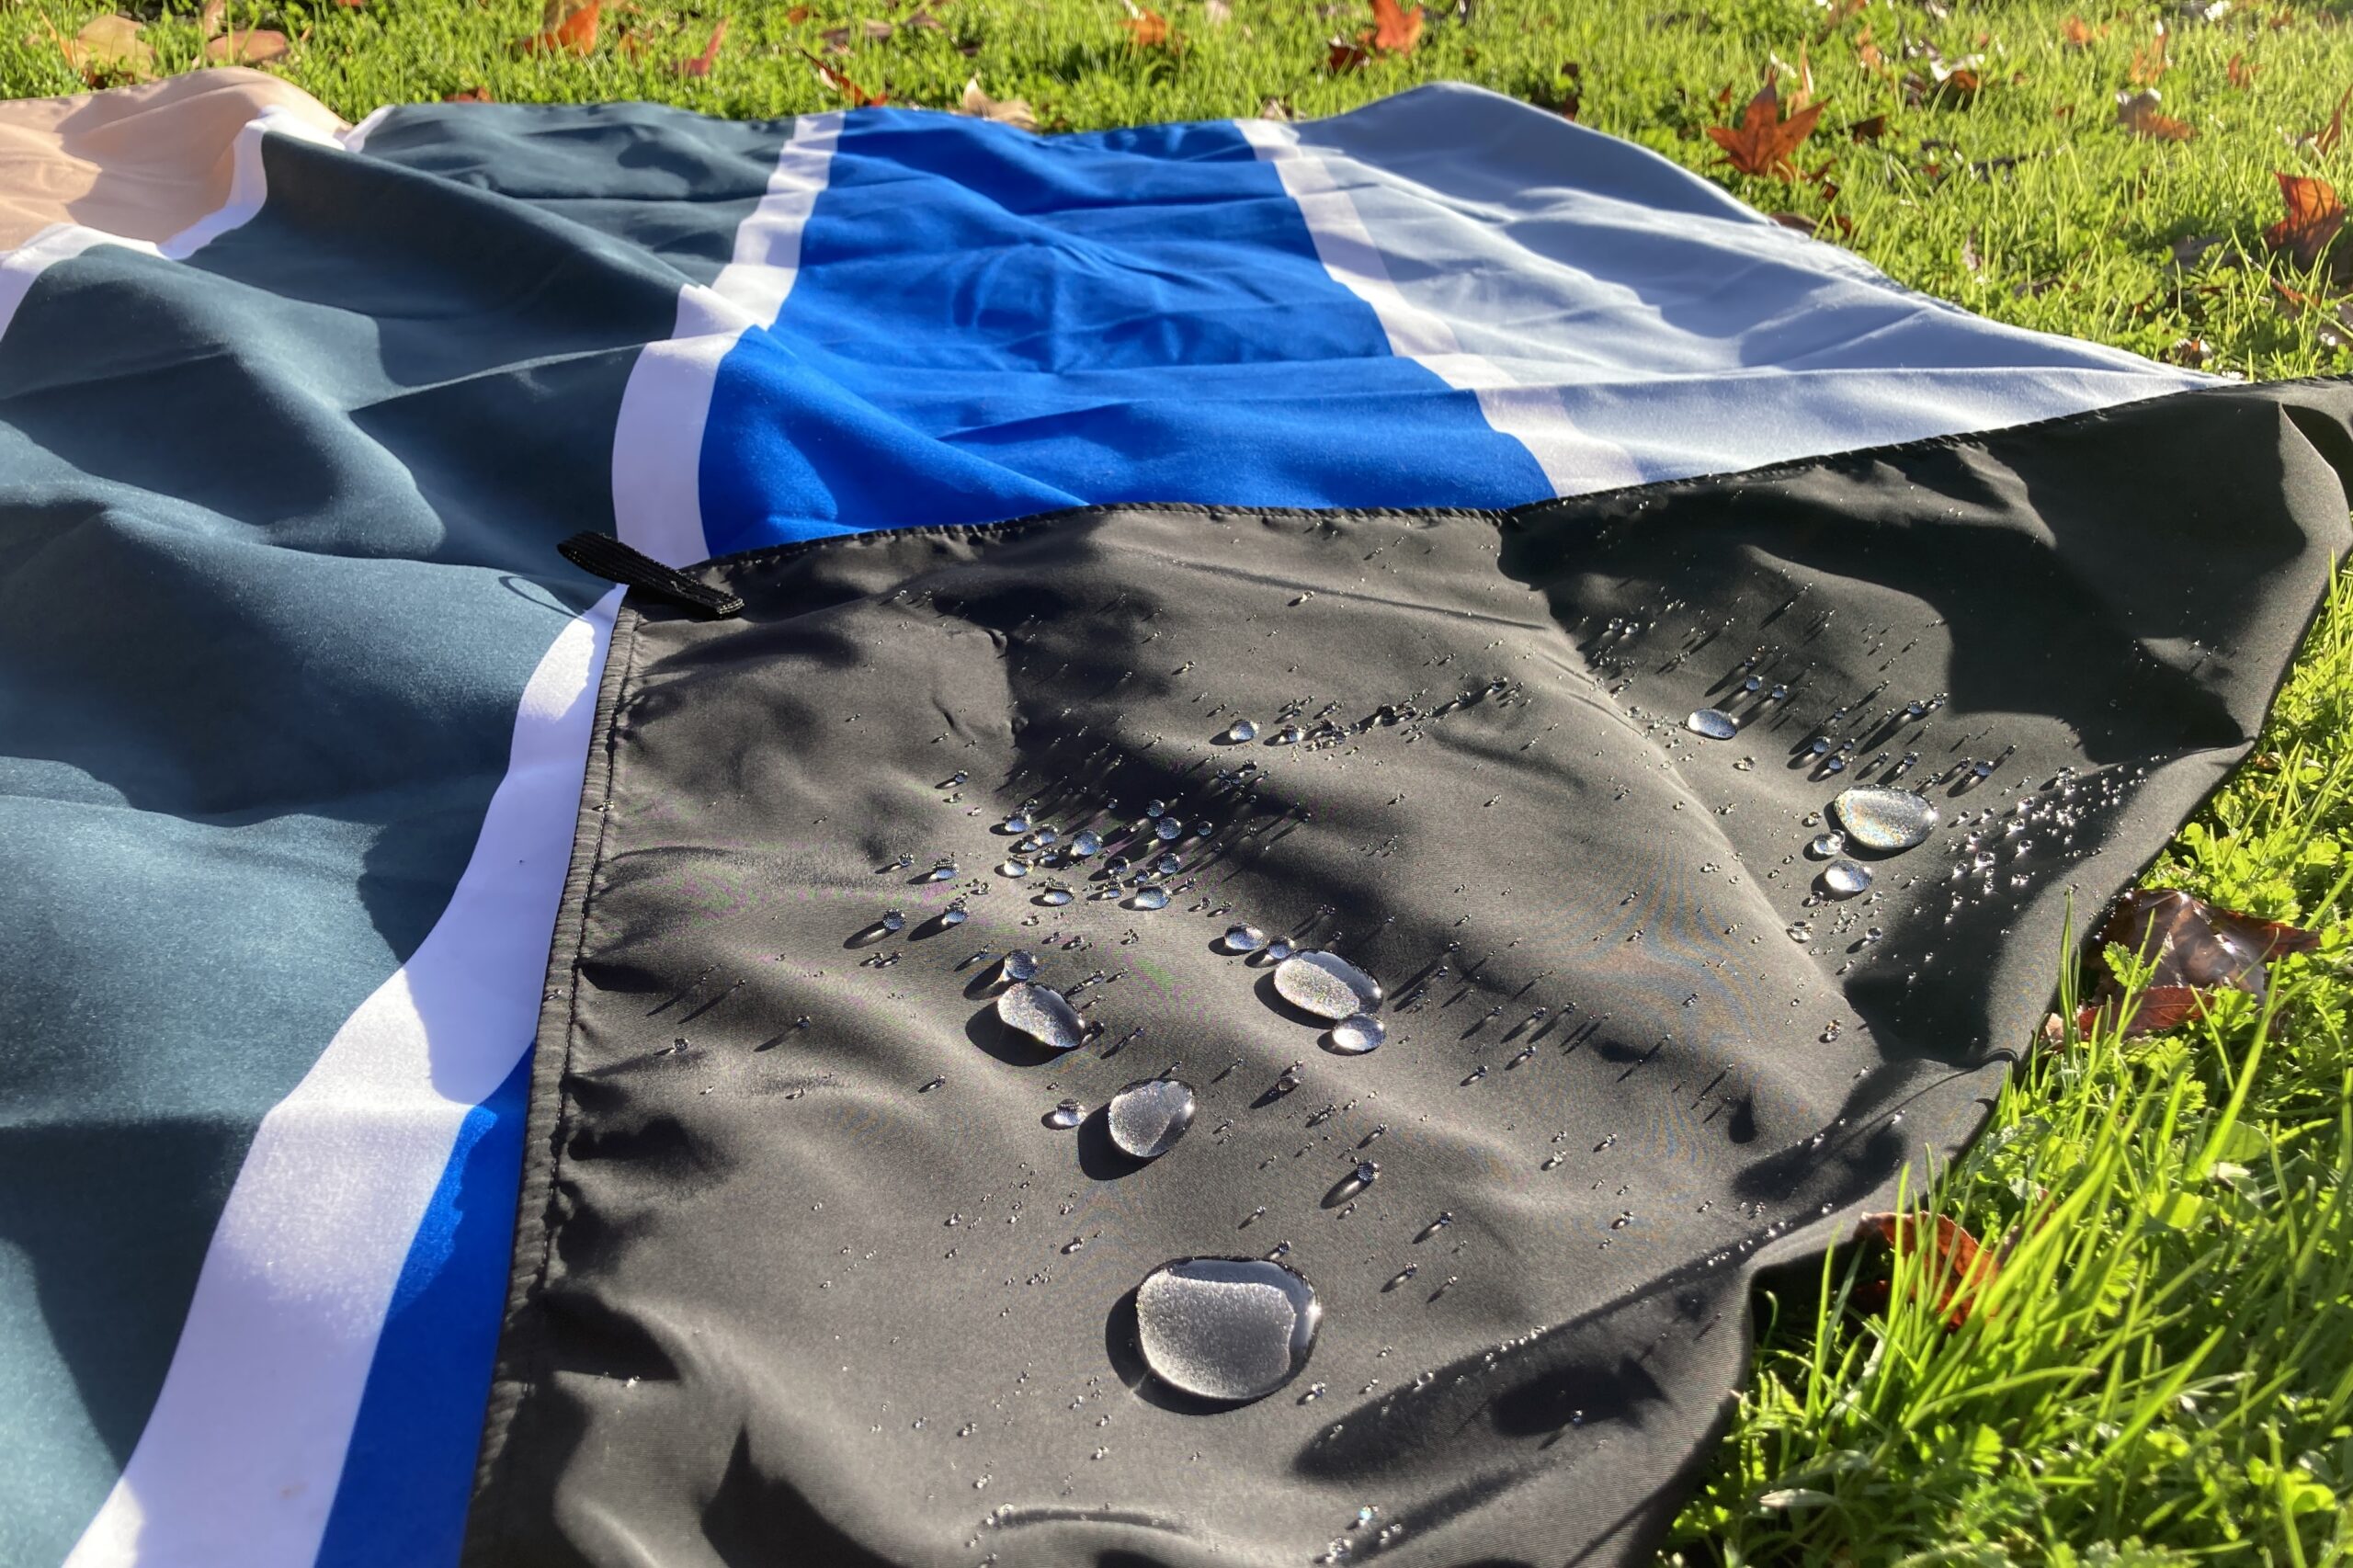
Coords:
pixel 1356 1035
pixel 1067 1115
pixel 1367 1173
pixel 1802 931
pixel 1226 1328
pixel 1021 965
pixel 1712 722
pixel 1327 985
pixel 1085 846
pixel 1168 828
pixel 1885 819
pixel 1289 735
pixel 1054 898
pixel 1981 770
pixel 1826 845
pixel 1242 730
pixel 1147 1119
pixel 1154 807
pixel 1845 878
pixel 1014 869
pixel 1043 1015
pixel 892 921
pixel 954 915
pixel 1278 950
pixel 1243 939
pixel 956 778
pixel 1168 865
pixel 943 871
pixel 1149 898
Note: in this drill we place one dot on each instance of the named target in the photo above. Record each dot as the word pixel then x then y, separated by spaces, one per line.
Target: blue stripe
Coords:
pixel 411 1464
pixel 987 323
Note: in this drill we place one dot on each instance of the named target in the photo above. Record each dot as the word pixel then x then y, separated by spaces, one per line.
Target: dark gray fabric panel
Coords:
pixel 832 1292
pixel 275 564
pixel 672 183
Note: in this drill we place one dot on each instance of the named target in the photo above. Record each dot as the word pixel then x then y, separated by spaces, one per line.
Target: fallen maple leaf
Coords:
pixel 2149 62
pixel 1147 29
pixel 252 46
pixel 2074 33
pixel 1869 130
pixel 1961 1268
pixel 1015 112
pixel 108 48
pixel 2325 140
pixel 469 95
pixel 1342 54
pixel 701 63
pixel 565 27
pixel 2315 215
pixel 1763 141
pixel 858 96
pixel 1395 31
pixel 2240 73
pixel 1868 53
pixel 2137 112
pixel 2194 949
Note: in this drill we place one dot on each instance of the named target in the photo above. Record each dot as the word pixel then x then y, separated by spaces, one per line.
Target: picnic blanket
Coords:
pixel 1441 536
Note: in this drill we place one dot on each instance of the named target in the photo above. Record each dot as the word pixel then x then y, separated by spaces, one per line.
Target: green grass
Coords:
pixel 2164 1371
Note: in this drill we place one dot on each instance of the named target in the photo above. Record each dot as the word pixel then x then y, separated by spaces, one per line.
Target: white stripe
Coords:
pixel 356 139
pixel 1573 461
pixel 657 445
pixel 238 1464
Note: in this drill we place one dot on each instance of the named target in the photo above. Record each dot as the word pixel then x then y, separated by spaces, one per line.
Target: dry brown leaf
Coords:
pixel 701 63
pixel 2240 73
pixel 566 27
pixel 1346 54
pixel 1015 112
pixel 2325 140
pixel 251 46
pixel 2137 112
pixel 2074 33
pixel 110 49
pixel 469 95
pixel 1148 29
pixel 1868 53
pixel 2315 215
pixel 1395 31
pixel 1961 1267
pixel 1869 130
pixel 2149 62
pixel 840 83
pixel 1763 141
pixel 798 14
pixel 213 17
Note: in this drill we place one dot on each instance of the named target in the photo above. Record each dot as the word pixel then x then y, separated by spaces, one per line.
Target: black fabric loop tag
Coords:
pixel 833 1250
pixel 602 555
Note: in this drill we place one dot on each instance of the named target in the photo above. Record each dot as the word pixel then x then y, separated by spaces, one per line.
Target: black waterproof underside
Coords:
pixel 802 1275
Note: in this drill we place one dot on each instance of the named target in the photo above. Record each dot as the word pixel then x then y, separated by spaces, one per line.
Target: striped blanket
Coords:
pixel 298 703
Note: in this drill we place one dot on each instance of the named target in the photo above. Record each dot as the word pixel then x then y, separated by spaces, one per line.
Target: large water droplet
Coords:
pixel 1149 898
pixel 954 915
pixel 1065 1116
pixel 1242 730
pixel 1289 735
pixel 1167 828
pixel 1014 869
pixel 1885 819
pixel 1327 985
pixel 1043 1015
pixel 1278 950
pixel 1244 940
pixel 1021 965
pixel 1147 1118
pixel 1226 1328
pixel 1355 1036
pixel 1712 722
pixel 1017 823
pixel 1087 845
pixel 1168 865
pixel 1054 898
pixel 943 871
pixel 1826 845
pixel 1845 878
pixel 892 921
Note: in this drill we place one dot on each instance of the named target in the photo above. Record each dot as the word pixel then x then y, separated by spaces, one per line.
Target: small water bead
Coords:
pixel 1149 898
pixel 1367 1173
pixel 1818 745
pixel 1154 807
pixel 1168 828
pixel 1826 846
pixel 1019 823
pixel 1168 865
pixel 954 915
pixel 1981 770
pixel 1014 869
pixel 1054 898
pixel 1802 931
pixel 1242 730
pixel 1086 845
pixel 1231 1329
pixel 1043 1015
pixel 1886 819
pixel 957 778
pixel 1356 1035
pixel 1845 878
pixel 1278 951
pixel 1147 1119
pixel 892 921
pixel 1327 985
pixel 1065 1116
pixel 1712 722
pixel 1021 965
pixel 1289 735
pixel 1243 939
pixel 943 871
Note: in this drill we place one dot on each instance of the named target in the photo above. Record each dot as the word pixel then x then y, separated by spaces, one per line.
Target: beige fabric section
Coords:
pixel 143 161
